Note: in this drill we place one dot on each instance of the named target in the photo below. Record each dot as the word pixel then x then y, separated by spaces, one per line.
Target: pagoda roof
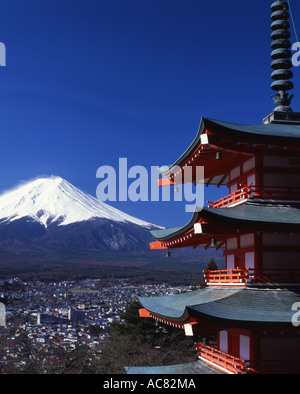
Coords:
pixel 286 132
pixel 249 305
pixel 247 216
pixel 196 367
pixel 233 140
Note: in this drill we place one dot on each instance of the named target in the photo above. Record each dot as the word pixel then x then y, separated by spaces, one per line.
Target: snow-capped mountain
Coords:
pixel 54 200
pixel 50 219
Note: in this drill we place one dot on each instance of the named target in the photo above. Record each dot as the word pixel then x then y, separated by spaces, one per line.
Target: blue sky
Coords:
pixel 88 82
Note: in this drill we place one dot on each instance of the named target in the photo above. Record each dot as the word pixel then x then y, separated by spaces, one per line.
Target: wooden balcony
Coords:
pixel 238 276
pixel 250 192
pixel 239 196
pixel 241 277
pixel 223 361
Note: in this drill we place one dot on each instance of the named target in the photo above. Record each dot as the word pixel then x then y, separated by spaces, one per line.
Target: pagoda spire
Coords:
pixel 281 56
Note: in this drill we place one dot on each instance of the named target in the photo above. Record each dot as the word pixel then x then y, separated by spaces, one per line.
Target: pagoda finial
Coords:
pixel 281 56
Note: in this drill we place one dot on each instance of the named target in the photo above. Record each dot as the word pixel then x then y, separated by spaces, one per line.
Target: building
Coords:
pixel 2 315
pixel 43 318
pixel 252 305
pixel 76 316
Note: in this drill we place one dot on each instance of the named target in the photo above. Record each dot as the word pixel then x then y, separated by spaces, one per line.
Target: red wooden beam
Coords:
pixel 144 313
pixel 157 245
pixel 165 182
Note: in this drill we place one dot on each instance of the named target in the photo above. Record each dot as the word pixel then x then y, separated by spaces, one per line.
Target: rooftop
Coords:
pixel 250 305
pixel 197 367
pixel 257 215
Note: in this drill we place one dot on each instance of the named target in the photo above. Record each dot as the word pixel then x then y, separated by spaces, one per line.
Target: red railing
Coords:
pixel 227 276
pixel 241 195
pixel 250 275
pixel 247 192
pixel 224 361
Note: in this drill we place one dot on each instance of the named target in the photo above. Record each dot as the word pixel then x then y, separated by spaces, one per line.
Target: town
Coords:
pixel 65 314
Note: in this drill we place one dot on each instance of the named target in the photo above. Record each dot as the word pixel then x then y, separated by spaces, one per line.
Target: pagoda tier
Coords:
pixel 225 222
pixel 235 154
pixel 254 236
pixel 224 308
pixel 253 325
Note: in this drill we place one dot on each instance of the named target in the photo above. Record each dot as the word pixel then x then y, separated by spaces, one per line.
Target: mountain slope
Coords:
pixel 49 217
pixel 54 200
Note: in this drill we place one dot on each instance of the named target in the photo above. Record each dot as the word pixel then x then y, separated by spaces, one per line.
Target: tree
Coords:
pixel 211 266
pixel 142 342
pixel 143 329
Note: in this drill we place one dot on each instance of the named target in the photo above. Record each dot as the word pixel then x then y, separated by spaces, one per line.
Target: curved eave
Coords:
pixel 171 308
pixel 248 305
pixel 235 139
pixel 221 222
pixel 183 236
pixel 169 233
pixel 275 134
pixel 260 215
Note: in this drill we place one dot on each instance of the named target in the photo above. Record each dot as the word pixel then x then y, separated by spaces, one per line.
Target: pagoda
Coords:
pixel 250 306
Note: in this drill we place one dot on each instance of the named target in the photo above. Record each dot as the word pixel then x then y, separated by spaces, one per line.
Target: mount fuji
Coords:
pixel 54 200
pixel 49 219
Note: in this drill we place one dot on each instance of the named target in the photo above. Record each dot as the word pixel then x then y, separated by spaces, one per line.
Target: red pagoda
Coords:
pixel 251 305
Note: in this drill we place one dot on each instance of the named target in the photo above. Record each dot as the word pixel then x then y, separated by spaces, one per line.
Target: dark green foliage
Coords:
pixel 211 266
pixel 142 342
pixel 142 328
